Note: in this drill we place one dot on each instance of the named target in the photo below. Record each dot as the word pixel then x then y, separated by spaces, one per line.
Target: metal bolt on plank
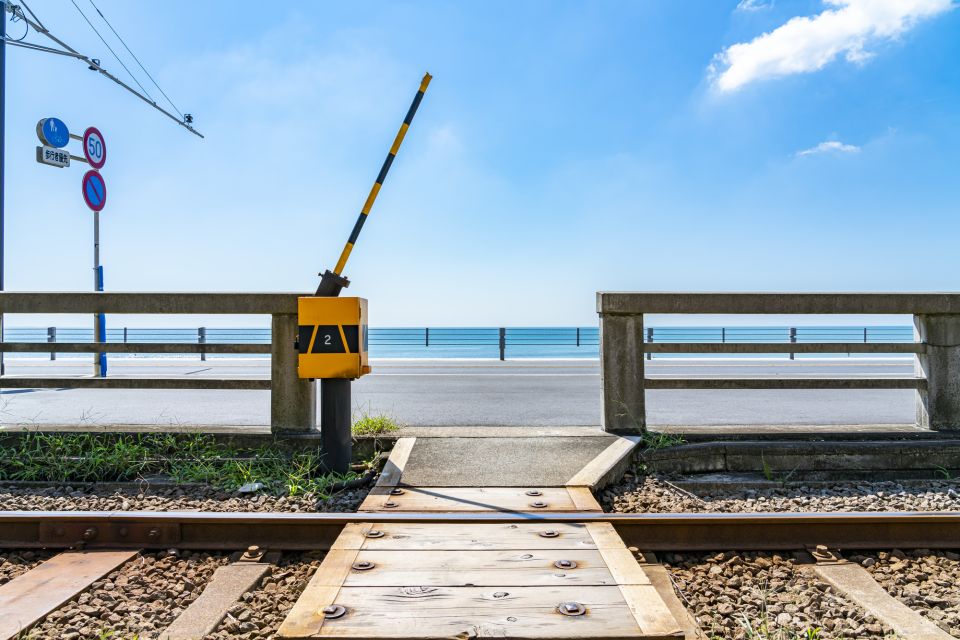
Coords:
pixel 334 611
pixel 571 608
pixel 534 492
pixel 565 564
pixel 550 533
pixel 539 504
pixel 397 492
pixel 374 533
pixel 390 504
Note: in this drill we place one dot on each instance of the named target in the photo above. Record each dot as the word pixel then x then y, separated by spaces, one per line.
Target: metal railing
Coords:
pixel 292 400
pixel 624 345
pixel 489 340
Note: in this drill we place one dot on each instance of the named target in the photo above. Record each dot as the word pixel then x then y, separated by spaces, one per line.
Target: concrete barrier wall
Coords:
pixel 292 400
pixel 936 315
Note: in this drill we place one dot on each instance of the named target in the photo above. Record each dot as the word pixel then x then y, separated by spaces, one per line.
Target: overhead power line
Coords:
pixel 110 49
pixel 185 120
pixel 134 56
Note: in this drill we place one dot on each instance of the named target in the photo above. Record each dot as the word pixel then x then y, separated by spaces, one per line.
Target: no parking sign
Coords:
pixel 94 190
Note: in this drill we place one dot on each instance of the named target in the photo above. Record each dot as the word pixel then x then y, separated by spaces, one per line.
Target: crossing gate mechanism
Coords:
pixel 332 338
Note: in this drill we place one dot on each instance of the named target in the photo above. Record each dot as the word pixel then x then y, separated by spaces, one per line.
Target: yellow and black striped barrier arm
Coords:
pixel 341 263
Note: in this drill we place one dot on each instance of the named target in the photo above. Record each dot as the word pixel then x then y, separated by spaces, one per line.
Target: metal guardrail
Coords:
pixel 231 341
pixel 624 346
pixel 292 400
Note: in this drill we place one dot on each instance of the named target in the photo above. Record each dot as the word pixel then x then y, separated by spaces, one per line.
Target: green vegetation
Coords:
pixel 197 458
pixel 373 425
pixel 654 441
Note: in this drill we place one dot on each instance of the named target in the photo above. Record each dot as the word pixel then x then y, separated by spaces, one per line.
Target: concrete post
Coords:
pixel 621 373
pixel 938 407
pixel 293 401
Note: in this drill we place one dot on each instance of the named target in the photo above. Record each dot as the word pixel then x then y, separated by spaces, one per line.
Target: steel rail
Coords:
pixel 647 531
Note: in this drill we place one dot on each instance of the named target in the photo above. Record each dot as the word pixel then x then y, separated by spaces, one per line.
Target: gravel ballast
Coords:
pixel 924 580
pixel 655 495
pixel 260 612
pixel 183 498
pixel 139 599
pixel 14 562
pixel 739 595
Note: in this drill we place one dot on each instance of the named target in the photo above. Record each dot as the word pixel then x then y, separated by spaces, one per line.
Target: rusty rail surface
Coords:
pixel 647 531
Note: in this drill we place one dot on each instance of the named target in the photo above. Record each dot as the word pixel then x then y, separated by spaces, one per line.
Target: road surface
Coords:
pixel 468 393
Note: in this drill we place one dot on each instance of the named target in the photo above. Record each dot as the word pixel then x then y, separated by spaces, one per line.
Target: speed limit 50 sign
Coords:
pixel 94 147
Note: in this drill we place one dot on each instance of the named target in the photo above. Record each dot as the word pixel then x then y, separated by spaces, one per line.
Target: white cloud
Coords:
pixel 753 5
pixel 829 146
pixel 804 44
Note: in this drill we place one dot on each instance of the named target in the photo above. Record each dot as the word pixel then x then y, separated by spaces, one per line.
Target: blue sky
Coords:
pixel 562 148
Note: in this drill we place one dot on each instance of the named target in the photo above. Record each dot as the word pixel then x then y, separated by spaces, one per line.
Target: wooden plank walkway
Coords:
pixel 481 580
pixel 407 581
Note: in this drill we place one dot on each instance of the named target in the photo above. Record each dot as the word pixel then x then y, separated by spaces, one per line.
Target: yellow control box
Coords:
pixel 332 337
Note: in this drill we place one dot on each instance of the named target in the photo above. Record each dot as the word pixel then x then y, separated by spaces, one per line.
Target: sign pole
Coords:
pixel 97 324
pixel 3 163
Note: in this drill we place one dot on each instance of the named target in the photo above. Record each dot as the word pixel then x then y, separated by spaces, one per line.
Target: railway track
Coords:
pixel 419 553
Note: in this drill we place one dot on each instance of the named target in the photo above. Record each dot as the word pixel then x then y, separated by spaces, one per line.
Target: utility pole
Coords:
pixel 3 145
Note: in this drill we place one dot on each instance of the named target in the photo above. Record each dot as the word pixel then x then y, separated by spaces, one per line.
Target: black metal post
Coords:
pixel 649 339
pixel 52 337
pixel 578 336
pixel 124 335
pixel 793 338
pixel 426 338
pixel 723 335
pixel 864 335
pixel 202 339
pixel 503 343
pixel 336 440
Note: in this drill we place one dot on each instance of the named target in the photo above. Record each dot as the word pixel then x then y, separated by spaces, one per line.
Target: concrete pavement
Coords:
pixel 480 392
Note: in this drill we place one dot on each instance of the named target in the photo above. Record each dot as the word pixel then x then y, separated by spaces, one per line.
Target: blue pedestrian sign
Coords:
pixel 53 132
pixel 94 190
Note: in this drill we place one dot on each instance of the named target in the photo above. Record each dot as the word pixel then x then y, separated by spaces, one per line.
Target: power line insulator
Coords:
pixel 96 64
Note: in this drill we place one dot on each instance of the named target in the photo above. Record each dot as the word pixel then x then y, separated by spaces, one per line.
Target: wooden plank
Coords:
pixel 514 568
pixel 475 537
pixel 583 499
pixel 396 463
pixel 599 470
pixel 416 612
pixel 604 535
pixel 352 537
pixel 858 585
pixel 26 599
pixel 306 619
pixel 650 611
pixel 462 499
pixel 222 592
pixel 661 581
pixel 621 563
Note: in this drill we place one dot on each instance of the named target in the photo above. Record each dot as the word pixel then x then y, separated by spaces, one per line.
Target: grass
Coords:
pixel 373 425
pixel 194 458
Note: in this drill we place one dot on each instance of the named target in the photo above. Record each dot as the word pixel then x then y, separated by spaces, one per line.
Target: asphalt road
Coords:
pixel 462 393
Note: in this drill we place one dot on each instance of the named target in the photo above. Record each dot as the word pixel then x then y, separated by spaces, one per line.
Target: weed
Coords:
pixel 199 458
pixel 653 441
pixel 943 472
pixel 373 425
